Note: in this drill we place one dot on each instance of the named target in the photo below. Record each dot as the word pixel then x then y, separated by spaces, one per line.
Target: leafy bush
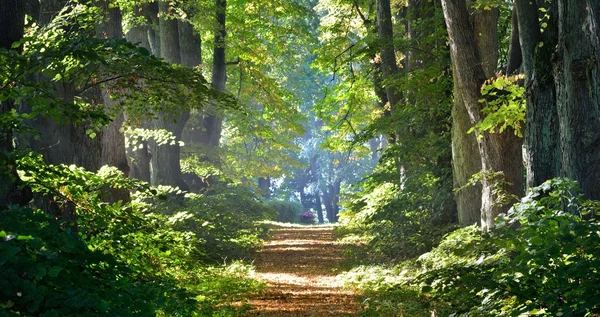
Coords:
pixel 307 217
pixel 541 259
pixel 401 222
pixel 223 220
pixel 287 211
pixel 115 259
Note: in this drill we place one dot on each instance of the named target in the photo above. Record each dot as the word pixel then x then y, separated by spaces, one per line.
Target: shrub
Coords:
pixel 287 211
pixel 118 259
pixel 541 259
pixel 223 220
pixel 307 217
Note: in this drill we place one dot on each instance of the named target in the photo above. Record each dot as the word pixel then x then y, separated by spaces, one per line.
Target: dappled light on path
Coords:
pixel 298 264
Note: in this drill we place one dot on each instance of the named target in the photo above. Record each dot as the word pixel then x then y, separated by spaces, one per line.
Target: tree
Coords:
pixel 562 69
pixel 12 17
pixel 165 160
pixel 498 152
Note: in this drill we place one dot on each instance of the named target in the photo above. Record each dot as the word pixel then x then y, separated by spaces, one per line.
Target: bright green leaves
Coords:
pixel 135 137
pixel 504 105
pixel 149 261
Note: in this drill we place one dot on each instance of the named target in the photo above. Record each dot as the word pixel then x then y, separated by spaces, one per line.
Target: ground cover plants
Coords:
pixel 123 258
pixel 540 259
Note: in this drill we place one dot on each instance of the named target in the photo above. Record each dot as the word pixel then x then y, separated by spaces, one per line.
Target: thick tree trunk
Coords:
pixel 319 207
pixel 63 142
pixel 542 158
pixel 113 138
pixel 485 28
pixel 515 57
pixel 495 150
pixel 12 17
pixel 389 66
pixel 577 79
pixel 139 159
pixel 165 161
pixel 213 121
pixel 465 163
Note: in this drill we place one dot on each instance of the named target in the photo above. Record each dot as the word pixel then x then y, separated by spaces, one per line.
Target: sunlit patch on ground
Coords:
pixel 298 266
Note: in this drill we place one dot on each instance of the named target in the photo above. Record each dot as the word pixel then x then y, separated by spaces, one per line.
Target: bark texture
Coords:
pixel 495 150
pixel 465 163
pixel 165 160
pixel 541 130
pixel 577 81
pixel 515 57
pixel 63 142
pixel 139 159
pixel 389 66
pixel 12 17
pixel 113 138
pixel 213 122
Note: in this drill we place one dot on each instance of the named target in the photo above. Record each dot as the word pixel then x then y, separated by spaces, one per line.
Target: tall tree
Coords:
pixel 496 152
pixel 12 17
pixel 213 121
pixel 562 74
pixel 138 157
pixel 166 166
pixel 113 137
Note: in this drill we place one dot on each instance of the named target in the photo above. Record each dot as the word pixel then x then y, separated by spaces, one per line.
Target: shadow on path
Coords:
pixel 297 264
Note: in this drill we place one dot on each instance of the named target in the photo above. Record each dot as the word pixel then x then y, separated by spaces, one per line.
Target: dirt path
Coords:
pixel 297 263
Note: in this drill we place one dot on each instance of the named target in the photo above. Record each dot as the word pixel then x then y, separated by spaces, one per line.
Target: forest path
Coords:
pixel 297 263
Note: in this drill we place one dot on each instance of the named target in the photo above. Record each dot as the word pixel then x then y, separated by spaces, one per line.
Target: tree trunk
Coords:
pixel 542 158
pixel 389 66
pixel 328 202
pixel 264 184
pixel 165 160
pixel 515 56
pixel 319 207
pixel 335 188
pixel 495 149
pixel 465 163
pixel 113 138
pixel 213 122
pixel 63 142
pixel 577 79
pixel 139 159
pixel 12 17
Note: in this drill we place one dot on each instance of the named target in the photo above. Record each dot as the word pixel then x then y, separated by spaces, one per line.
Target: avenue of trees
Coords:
pixel 143 142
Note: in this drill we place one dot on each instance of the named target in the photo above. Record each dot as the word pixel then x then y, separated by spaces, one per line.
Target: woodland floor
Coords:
pixel 298 264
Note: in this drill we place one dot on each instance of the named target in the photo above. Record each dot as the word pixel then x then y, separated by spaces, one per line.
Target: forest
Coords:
pixel 299 158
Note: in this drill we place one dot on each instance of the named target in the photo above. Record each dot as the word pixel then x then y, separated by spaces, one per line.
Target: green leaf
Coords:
pixel 54 271
pixel 24 238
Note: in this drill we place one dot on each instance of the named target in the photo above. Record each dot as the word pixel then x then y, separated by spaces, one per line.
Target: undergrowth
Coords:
pixel 542 258
pixel 165 253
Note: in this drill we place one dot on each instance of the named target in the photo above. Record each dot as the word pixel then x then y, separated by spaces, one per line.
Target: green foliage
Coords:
pixel 121 259
pixel 387 292
pixel 400 222
pixel 144 85
pixel 504 106
pixel 287 211
pixel 541 259
pixel 223 219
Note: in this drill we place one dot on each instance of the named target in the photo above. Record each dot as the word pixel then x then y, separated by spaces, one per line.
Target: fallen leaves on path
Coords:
pixel 297 263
